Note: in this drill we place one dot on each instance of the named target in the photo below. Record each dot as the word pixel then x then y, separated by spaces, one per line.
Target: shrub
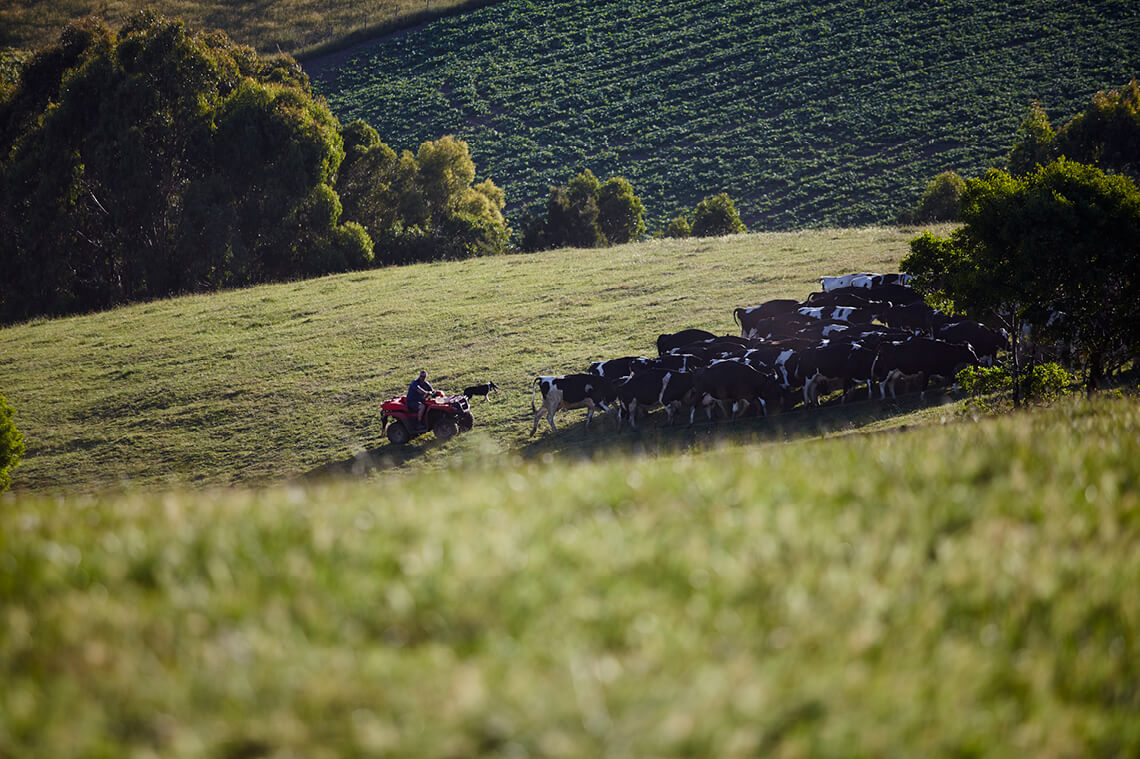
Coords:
pixel 940 200
pixel 1046 382
pixel 715 216
pixel 11 444
pixel 984 380
pixel 679 227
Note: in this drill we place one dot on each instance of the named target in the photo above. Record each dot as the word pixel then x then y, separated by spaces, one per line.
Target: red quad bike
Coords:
pixel 445 416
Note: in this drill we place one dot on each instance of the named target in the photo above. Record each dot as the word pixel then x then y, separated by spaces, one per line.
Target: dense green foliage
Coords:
pixel 419 207
pixel 152 160
pixel 939 202
pixel 11 444
pixel 959 590
pixel 1064 240
pixel 1106 135
pixel 806 114
pixel 586 213
pixel 714 216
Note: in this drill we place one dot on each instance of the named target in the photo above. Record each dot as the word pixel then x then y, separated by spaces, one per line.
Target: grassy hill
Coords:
pixel 294 26
pixel 939 585
pixel 807 114
pixel 967 590
pixel 286 380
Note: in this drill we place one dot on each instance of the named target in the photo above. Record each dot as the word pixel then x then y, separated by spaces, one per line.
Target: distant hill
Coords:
pixel 807 114
pixel 293 26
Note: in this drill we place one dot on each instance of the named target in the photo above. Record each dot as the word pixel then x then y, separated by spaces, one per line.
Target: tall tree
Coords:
pixel 152 160
pixel 1063 241
pixel 587 213
pixel 1106 135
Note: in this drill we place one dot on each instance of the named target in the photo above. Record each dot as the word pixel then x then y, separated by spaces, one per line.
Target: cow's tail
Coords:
pixel 533 390
pixel 736 312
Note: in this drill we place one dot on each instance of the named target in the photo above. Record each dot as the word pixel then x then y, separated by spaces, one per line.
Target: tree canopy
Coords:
pixel 11 444
pixel 587 213
pixel 1059 245
pixel 152 160
pixel 715 216
pixel 422 206
pixel 1106 134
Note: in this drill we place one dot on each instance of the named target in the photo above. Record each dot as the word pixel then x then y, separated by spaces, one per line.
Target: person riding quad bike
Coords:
pixel 418 392
pixel 425 408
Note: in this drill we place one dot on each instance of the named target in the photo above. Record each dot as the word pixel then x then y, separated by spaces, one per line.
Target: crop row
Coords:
pixel 806 114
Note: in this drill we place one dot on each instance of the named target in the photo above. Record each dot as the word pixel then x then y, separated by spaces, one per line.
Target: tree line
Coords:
pixel 1049 246
pixel 151 160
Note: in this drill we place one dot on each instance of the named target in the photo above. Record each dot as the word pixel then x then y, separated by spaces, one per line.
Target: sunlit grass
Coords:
pixel 293 26
pixel 285 381
pixel 966 589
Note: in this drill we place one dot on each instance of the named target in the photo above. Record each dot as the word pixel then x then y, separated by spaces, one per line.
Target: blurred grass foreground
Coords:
pixel 967 589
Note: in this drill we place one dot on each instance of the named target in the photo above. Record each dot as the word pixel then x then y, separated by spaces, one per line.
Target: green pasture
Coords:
pixel 957 590
pixel 807 114
pixel 285 381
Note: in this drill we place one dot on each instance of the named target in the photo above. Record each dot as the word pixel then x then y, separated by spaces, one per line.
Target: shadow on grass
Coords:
pixel 385 457
pixel 652 436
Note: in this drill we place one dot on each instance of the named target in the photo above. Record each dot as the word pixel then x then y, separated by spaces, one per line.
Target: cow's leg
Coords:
pixel 633 414
pixel 550 418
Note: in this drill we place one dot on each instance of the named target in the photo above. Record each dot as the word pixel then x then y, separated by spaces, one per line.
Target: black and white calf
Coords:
pixel 571 391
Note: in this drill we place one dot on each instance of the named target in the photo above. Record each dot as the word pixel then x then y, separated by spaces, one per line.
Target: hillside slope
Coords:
pixel 967 590
pixel 807 114
pixel 285 381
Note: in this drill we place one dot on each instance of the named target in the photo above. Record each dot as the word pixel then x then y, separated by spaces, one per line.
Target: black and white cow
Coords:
pixel 677 362
pixel 849 314
pixel 822 329
pixel 616 368
pixel 639 391
pixel 571 391
pixel 844 296
pixel 765 310
pixel 710 349
pixel 770 327
pixel 920 356
pixel 917 318
pixel 863 279
pixel 986 342
pixel 737 383
pixel 677 392
pixel 848 363
pixel 668 342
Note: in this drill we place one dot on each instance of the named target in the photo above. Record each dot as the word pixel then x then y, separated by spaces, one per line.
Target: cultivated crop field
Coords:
pixel 967 589
pixel 807 114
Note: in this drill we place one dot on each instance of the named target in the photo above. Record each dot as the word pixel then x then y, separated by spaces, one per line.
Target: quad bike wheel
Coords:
pixel 445 428
pixel 398 433
pixel 466 422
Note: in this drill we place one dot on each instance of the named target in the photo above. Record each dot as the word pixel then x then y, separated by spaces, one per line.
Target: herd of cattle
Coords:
pixel 860 329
